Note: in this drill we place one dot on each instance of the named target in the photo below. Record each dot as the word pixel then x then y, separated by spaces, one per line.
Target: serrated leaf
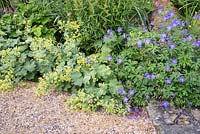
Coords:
pixel 30 66
pixel 77 78
pixel 37 31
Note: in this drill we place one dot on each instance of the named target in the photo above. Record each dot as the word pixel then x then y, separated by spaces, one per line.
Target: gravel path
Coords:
pixel 21 112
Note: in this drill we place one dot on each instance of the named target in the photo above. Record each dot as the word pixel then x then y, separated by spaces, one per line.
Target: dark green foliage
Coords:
pixel 96 16
pixel 187 8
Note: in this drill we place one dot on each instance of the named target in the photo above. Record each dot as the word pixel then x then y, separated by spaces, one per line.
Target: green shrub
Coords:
pixel 88 78
pixel 18 33
pixel 162 65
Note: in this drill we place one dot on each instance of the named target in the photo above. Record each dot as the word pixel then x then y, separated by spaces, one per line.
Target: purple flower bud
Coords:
pixel 147 97
pixel 109 58
pixel 197 17
pixel 89 60
pixel 197 43
pixel 164 35
pixel 182 79
pixel 167 68
pixel 189 38
pixel 171 13
pixel 153 76
pixel 100 109
pixel 121 92
pixel 166 17
pixel 186 32
pixel 147 41
pixel 184 40
pixel 168 81
pixel 131 92
pixel 176 22
pixel 110 32
pixel 165 104
pixel 160 10
pixel 145 29
pixel 128 38
pixel 174 61
pixel 119 29
pixel 105 37
pixel 169 27
pixel 152 23
pixel 125 99
pixel 147 75
pixel 162 39
pixel 172 46
pixel 119 60
pixel 139 43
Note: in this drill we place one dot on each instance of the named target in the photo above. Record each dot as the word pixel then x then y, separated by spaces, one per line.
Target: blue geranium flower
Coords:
pixel 172 46
pixel 167 68
pixel 164 35
pixel 128 38
pixel 147 97
pixel 162 39
pixel 186 32
pixel 131 92
pixel 125 99
pixel 105 37
pixel 174 61
pixel 197 17
pixel 89 60
pixel 119 60
pixel 139 43
pixel 197 43
pixel 175 22
pixel 147 75
pixel 147 41
pixel 121 92
pixel 184 40
pixel 171 13
pixel 110 32
pixel 153 76
pixel 182 79
pixel 169 27
pixel 190 37
pixel 119 29
pixel 168 81
pixel 165 104
pixel 166 17
pixel 109 58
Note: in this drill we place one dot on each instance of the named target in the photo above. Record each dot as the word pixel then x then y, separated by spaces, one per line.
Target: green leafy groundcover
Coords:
pixel 128 70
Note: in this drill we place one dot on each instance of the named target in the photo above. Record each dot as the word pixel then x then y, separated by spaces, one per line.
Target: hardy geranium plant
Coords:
pixel 159 65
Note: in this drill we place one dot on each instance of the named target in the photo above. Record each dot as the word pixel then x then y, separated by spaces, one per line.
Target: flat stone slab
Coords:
pixel 179 129
pixel 174 120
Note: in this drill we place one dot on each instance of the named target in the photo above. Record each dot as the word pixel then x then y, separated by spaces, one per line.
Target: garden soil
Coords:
pixel 22 112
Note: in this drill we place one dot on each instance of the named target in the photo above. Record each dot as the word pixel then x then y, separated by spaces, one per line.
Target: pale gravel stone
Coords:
pixel 22 112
